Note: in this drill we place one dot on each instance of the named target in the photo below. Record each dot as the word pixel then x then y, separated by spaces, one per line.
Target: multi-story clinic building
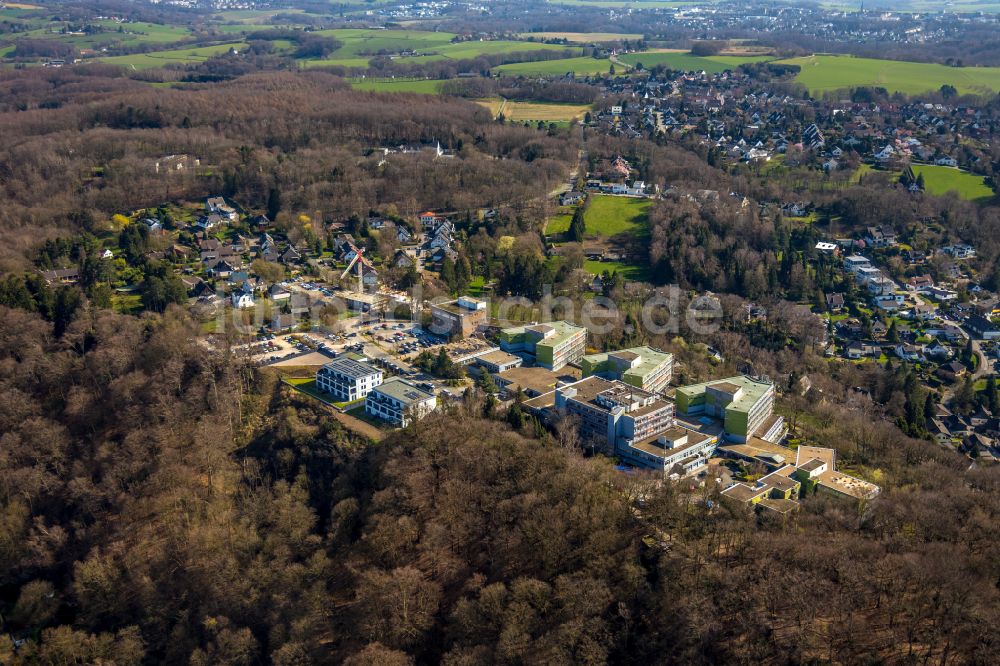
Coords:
pixel 398 401
pixel 614 411
pixel 643 367
pixel 347 380
pixel 551 345
pixel 744 405
pixel 638 425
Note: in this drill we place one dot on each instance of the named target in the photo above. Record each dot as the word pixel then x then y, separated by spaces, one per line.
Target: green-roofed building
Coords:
pixel 551 345
pixel 399 401
pixel 642 367
pixel 743 404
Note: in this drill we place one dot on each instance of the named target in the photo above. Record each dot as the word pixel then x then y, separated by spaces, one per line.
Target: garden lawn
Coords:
pixel 608 216
pixel 628 271
pixel 558 224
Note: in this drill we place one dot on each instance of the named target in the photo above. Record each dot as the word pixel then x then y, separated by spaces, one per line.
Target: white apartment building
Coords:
pixel 347 380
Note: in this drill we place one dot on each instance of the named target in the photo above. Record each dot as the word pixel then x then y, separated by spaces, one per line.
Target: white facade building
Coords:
pixel 399 401
pixel 347 380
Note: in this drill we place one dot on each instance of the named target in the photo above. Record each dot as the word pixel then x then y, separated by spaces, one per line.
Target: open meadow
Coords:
pixel 583 66
pixel 831 72
pixel 422 86
pixel 941 180
pixel 608 216
pixel 685 61
pixel 156 59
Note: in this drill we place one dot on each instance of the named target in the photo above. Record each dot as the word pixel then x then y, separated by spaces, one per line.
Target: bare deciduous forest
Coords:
pixel 161 503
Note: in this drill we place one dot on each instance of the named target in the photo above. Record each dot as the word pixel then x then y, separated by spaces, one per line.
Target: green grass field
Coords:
pixel 559 224
pixel 359 46
pixel 156 59
pixel 628 271
pixel 579 67
pixel 689 63
pixel 423 86
pixel 828 72
pixel 941 180
pixel 608 216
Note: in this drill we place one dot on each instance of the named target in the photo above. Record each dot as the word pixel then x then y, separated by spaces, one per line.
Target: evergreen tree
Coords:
pixel 968 356
pixel 992 395
pixel 448 273
pixel 577 227
pixel 965 396
pixel 893 334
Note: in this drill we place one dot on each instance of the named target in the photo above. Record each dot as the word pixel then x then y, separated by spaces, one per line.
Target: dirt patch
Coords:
pixel 359 426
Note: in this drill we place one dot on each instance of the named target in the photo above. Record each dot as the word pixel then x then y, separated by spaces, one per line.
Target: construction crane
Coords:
pixel 359 261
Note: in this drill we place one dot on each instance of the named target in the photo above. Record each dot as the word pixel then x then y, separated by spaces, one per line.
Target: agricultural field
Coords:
pixel 608 216
pixel 684 61
pixel 361 45
pixel 423 86
pixel 360 42
pixel 941 180
pixel 156 59
pixel 544 111
pixel 579 66
pixel 106 33
pixel 582 37
pixel 547 112
pixel 830 72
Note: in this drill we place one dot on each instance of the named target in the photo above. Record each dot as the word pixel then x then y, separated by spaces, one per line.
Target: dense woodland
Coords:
pixel 208 517
pixel 160 503
pixel 88 140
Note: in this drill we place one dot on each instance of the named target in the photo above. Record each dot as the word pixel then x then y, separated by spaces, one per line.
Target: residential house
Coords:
pixel 834 302
pixel 278 294
pixel 982 328
pixel 218 206
pixel 880 237
pixel 907 352
pixel 919 282
pixel 960 251
pixel 856 262
pixel 857 350
pixel 243 297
